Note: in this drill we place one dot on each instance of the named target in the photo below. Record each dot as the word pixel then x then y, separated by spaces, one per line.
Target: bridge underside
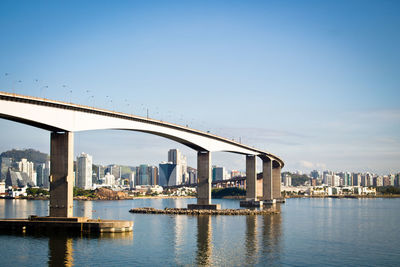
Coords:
pixel 63 119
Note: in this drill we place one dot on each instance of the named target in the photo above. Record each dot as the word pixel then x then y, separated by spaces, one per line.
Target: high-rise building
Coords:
pixel 386 181
pixel 28 167
pixel 146 175
pixel 397 180
pixel 46 174
pixel 287 180
pixel 5 164
pixel 40 174
pixel 108 179
pixel 391 179
pixel 84 171
pixel 219 173
pixel 170 174
pixel 356 179
pixel 175 171
pixel 314 174
pixel 192 175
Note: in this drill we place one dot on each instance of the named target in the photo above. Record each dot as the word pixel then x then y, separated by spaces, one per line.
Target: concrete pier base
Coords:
pixel 204 207
pixel 251 203
pixel 65 224
pixel 270 201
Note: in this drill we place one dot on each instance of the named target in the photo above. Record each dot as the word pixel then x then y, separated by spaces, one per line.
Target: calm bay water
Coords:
pixel 308 232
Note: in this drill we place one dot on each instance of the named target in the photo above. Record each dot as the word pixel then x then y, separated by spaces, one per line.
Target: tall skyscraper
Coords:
pixel 27 167
pixel 146 175
pixel 176 172
pixel 84 171
pixel 40 174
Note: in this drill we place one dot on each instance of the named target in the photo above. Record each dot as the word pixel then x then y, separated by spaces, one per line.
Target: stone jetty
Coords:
pixel 184 211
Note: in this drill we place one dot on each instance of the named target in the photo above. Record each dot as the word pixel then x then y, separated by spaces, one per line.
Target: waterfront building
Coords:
pixel 386 181
pixel 378 181
pixel 391 179
pixel 2 188
pixel 356 179
pixel 397 180
pixel 84 171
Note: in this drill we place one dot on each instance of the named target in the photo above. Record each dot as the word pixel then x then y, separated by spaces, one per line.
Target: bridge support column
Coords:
pixel 268 196
pixel 251 178
pixel 251 183
pixel 276 177
pixel 203 182
pixel 61 174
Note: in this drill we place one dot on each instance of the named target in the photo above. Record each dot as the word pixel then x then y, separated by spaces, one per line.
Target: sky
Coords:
pixel 314 82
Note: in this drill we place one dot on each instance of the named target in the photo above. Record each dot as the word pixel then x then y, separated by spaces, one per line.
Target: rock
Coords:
pixel 148 210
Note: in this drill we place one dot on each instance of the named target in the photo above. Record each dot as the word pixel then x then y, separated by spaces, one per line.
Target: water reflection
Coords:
pixel 204 240
pixel 251 239
pixel 271 238
pixel 61 252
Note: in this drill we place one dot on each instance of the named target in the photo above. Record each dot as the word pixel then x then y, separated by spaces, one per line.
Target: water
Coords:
pixel 308 232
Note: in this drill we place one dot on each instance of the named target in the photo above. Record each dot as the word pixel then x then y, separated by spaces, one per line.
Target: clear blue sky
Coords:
pixel 315 82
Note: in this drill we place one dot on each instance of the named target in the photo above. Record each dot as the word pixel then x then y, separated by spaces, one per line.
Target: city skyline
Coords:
pixel 315 83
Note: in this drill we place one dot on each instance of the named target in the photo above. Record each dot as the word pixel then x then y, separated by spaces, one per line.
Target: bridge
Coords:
pixel 63 119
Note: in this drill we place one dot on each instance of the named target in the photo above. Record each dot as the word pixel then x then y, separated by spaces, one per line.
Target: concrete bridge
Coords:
pixel 63 119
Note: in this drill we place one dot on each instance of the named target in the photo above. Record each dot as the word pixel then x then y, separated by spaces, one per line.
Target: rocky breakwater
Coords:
pixel 203 212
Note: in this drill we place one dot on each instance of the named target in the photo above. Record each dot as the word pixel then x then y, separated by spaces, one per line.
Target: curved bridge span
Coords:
pixel 62 119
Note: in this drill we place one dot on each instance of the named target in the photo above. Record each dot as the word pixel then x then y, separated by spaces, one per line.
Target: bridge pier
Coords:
pixel 251 183
pixel 276 185
pixel 204 179
pixel 268 196
pixel 61 174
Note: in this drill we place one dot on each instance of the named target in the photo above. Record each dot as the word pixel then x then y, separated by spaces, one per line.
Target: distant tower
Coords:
pixel 84 171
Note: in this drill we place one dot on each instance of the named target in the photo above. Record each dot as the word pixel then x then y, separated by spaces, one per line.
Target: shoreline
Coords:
pixel 190 197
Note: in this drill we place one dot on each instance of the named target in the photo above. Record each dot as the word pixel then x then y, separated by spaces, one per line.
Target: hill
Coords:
pixel 30 154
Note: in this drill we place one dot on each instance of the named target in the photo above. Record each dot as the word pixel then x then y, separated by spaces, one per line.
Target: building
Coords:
pixel 2 188
pixel 114 170
pixel 146 175
pixel 18 179
pixel 356 179
pixel 40 176
pixel 397 180
pixel 287 180
pixel 315 174
pixel 84 171
pixel 175 156
pixel 170 174
pixel 192 175
pixel 108 179
pixel 219 173
pixel 28 167
pixel 5 164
